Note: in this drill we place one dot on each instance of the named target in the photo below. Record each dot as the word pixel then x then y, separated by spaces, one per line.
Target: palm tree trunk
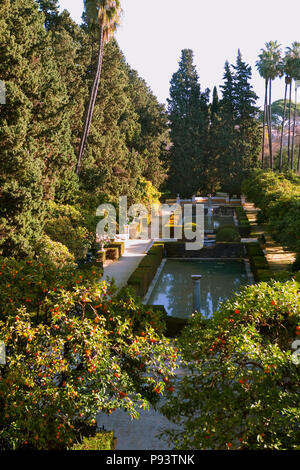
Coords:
pixel 264 124
pixel 282 128
pixel 92 101
pixel 270 125
pixel 294 128
pixel 289 136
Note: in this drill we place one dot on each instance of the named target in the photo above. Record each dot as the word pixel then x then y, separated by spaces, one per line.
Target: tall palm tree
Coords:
pixel 263 71
pixel 270 66
pixel 106 15
pixel 293 61
pixel 287 72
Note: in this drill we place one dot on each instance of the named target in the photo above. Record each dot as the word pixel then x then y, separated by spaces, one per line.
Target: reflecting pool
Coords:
pixel 174 287
pixel 216 221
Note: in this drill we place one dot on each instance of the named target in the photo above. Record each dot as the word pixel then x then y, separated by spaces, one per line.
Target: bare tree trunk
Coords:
pixel 298 166
pixel 282 128
pixel 289 136
pixel 270 125
pixel 92 101
pixel 294 128
pixel 264 124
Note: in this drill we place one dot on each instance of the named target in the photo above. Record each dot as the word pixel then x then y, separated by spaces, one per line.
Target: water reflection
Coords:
pixel 219 280
pixel 214 222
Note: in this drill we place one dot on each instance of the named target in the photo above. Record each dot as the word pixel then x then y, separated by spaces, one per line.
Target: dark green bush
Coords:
pixel 228 233
pixel 263 275
pixel 254 249
pixel 243 222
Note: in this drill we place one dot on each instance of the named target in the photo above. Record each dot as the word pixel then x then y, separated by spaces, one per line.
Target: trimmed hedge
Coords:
pixel 254 249
pixel 258 262
pixel 142 277
pixel 243 222
pixel 112 253
pixel 120 246
pixel 101 256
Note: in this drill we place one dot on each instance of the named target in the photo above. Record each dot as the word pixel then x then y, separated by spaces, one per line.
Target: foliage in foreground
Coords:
pixel 242 386
pixel 86 352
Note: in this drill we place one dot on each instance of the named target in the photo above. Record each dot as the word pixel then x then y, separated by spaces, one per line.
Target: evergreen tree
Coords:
pixel 152 140
pixel 50 8
pixel 188 116
pixel 246 116
pixel 239 135
pixel 212 173
pixel 34 125
pixel 225 133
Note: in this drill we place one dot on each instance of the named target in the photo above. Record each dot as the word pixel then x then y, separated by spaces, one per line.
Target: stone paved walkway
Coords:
pixel 278 258
pixel 137 434
pixel 122 269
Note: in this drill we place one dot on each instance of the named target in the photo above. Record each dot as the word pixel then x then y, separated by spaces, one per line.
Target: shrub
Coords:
pixel 112 253
pixel 278 197
pixel 242 387
pixel 101 441
pixel 101 256
pixel 120 246
pixel 91 353
pixel 254 249
pixel 228 233
pixel 243 222
pixel 56 252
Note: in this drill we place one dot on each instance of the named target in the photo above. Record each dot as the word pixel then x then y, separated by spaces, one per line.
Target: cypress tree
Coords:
pixel 213 152
pixel 246 116
pixel 239 133
pixel 188 116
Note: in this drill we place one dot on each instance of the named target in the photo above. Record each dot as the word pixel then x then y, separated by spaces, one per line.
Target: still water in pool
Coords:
pixel 174 288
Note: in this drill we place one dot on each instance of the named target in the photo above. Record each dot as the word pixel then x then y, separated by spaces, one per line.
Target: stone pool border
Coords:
pixel 162 264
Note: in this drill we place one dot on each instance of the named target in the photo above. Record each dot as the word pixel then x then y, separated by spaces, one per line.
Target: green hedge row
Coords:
pixel 258 262
pixel 142 277
pixel 244 224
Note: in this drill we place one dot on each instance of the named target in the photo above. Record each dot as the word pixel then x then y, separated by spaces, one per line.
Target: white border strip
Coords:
pixel 154 282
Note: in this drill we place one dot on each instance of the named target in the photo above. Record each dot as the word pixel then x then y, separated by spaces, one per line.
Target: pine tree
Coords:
pixel 188 116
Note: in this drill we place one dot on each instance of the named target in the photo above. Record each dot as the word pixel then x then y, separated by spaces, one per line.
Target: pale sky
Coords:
pixel 153 33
